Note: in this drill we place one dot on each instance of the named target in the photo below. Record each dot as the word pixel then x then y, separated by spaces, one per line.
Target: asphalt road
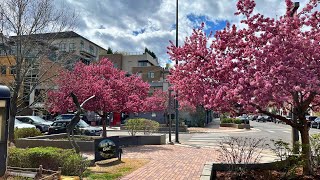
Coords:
pixel 265 130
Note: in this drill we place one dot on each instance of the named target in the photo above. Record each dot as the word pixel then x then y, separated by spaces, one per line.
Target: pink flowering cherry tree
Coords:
pixel 268 63
pixel 113 90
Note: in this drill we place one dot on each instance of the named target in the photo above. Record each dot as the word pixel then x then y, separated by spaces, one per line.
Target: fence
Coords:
pixel 35 173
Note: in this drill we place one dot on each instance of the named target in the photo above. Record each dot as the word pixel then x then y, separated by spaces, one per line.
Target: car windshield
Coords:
pixel 38 119
pixel 16 121
pixel 82 124
pixel 65 116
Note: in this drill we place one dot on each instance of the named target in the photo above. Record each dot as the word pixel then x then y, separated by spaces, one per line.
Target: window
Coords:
pixel 142 63
pixel 139 74
pixel 72 47
pixel 63 47
pixel 151 75
pixel 153 114
pixel 82 45
pixel 91 49
pixel 3 70
pixel 13 70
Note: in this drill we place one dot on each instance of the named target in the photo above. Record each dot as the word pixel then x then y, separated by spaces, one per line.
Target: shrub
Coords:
pixel 226 120
pixel 237 121
pixel 134 125
pixel 141 124
pixel 289 162
pixel 49 157
pixel 315 150
pixel 150 126
pixel 231 120
pixel 240 150
pixel 26 132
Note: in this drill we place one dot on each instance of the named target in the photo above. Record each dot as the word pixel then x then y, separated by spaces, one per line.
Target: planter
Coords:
pixel 226 124
pixel 210 169
pixel 241 126
pixel 86 146
pixel 238 126
pixel 165 128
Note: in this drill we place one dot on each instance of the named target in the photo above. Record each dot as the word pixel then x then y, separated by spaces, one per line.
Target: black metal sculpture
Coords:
pixel 75 120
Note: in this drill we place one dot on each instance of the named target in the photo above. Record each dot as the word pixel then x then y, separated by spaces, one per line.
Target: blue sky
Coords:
pixel 210 25
pixel 133 25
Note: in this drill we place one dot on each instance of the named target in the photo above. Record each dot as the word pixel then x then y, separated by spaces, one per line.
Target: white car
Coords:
pixel 19 125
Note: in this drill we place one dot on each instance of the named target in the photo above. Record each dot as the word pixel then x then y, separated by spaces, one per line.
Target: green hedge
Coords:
pixel 26 132
pixel 231 120
pixel 49 157
pixel 141 124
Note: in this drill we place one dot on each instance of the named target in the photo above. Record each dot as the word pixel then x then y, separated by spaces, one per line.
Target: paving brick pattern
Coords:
pixel 169 161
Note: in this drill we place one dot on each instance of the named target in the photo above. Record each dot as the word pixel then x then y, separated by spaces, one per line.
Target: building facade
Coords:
pixel 45 56
pixel 143 65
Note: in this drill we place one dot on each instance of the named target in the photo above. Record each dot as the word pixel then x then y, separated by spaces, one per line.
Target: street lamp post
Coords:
pixel 169 111
pixel 295 132
pixel 176 101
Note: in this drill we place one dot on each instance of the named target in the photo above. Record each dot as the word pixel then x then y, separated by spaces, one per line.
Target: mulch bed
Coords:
pixel 266 175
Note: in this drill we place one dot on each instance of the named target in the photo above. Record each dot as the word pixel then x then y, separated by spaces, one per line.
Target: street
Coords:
pixel 267 130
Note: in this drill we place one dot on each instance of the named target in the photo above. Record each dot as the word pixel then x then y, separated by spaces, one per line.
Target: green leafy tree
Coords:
pixel 109 51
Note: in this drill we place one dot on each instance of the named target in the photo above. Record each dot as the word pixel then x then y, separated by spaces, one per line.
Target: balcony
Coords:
pixel 87 53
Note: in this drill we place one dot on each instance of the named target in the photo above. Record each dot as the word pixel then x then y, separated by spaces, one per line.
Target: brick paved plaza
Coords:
pixel 169 161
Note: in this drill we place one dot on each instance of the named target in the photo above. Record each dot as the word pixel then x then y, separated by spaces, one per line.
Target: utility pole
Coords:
pixel 176 102
pixel 295 132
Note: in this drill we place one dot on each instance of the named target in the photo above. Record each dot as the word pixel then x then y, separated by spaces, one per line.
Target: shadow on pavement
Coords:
pixel 149 148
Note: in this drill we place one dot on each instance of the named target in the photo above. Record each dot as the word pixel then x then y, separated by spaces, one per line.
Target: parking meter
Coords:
pixel 4 116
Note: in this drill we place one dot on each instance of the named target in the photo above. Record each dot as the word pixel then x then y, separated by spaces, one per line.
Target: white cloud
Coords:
pixel 111 23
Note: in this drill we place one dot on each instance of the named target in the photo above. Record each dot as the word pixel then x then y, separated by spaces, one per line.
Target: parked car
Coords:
pixel 68 116
pixel 60 126
pixel 63 117
pixel 40 123
pixel 20 125
pixel 316 123
pixel 262 118
pixel 244 119
pixel 253 117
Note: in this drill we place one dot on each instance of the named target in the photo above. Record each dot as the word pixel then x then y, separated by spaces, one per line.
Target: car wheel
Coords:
pixel 39 129
pixel 318 127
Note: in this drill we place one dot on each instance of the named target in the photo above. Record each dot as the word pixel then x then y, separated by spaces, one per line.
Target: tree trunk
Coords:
pixel 306 150
pixel 104 124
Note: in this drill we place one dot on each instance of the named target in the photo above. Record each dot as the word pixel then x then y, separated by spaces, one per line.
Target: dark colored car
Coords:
pixel 244 119
pixel 262 118
pixel 40 123
pixel 63 117
pixel 60 126
pixel 311 118
pixel 254 117
pixel 68 117
pixel 316 123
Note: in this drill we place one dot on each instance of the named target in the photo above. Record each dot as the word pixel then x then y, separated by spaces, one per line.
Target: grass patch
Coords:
pixel 113 169
pixel 105 176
